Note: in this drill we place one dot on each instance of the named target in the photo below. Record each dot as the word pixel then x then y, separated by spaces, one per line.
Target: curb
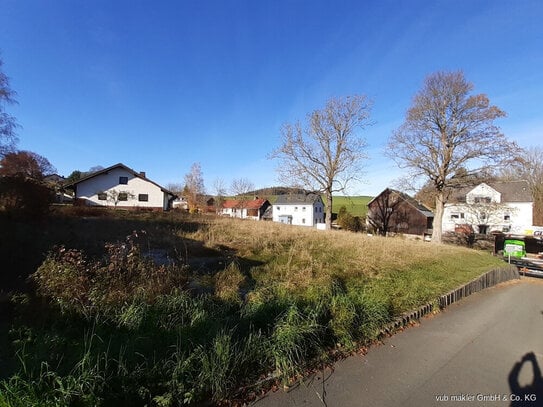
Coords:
pixel 482 282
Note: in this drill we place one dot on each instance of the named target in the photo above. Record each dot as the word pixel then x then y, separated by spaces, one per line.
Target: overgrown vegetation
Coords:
pixel 235 304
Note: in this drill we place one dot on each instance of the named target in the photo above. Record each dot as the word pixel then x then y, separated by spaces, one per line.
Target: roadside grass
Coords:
pixel 281 300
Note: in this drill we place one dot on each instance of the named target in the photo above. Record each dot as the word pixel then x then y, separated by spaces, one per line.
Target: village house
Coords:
pixel 396 212
pixel 121 187
pixel 490 207
pixel 299 209
pixel 244 208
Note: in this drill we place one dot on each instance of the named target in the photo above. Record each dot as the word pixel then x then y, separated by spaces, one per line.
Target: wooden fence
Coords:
pixel 486 280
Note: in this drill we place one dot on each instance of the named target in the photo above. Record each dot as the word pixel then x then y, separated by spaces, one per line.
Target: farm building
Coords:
pixel 396 212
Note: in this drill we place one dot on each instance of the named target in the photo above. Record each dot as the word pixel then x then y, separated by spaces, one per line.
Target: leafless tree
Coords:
pixel 241 187
pixel 529 167
pixel 482 215
pixel 326 152
pixel 115 196
pixel 219 189
pixel 194 187
pixel 446 131
pixel 8 138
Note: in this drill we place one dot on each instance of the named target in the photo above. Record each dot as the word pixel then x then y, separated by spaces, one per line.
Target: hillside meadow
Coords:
pixel 171 309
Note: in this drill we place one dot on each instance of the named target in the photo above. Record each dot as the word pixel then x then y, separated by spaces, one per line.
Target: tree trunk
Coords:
pixel 438 218
pixel 328 210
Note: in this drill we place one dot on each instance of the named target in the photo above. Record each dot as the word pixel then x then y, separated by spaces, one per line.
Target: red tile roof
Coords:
pixel 236 203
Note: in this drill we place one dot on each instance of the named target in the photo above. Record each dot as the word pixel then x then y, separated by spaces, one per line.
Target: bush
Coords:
pixel 349 222
pixel 75 282
pixel 24 198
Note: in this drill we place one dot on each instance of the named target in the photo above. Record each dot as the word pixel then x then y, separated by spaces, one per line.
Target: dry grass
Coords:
pixel 301 260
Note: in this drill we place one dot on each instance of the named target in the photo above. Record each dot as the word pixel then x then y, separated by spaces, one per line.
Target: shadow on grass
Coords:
pixel 24 244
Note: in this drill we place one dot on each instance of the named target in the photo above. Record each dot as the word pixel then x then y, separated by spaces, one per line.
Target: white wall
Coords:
pixel 520 217
pixel 303 214
pixel 109 182
pixel 483 191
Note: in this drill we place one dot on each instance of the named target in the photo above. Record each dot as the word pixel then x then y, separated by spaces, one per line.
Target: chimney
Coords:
pixel 142 174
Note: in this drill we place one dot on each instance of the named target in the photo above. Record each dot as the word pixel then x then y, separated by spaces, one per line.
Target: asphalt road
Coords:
pixel 486 350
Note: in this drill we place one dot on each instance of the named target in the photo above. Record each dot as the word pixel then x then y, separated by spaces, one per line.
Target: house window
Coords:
pixel 457 215
pixel 303 208
pixel 102 196
pixel 507 217
pixel 123 180
pixel 295 208
pixel 278 208
pixel 123 196
pixel 143 197
pixel 303 220
pixel 482 199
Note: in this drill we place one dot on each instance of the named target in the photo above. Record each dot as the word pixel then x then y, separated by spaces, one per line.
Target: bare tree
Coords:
pixel 529 167
pixel 8 138
pixel 115 196
pixel 175 187
pixel 446 131
pixel 241 187
pixel 194 187
pixel 325 153
pixel 485 215
pixel 219 189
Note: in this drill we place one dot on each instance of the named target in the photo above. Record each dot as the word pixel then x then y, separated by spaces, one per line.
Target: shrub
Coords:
pixel 24 198
pixel 123 275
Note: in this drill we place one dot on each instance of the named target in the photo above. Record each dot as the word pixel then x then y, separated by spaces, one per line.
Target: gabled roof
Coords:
pixel 419 206
pixel 124 167
pixel 298 199
pixel 511 191
pixel 238 203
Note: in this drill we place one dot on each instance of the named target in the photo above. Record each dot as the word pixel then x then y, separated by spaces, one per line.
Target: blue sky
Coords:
pixel 159 85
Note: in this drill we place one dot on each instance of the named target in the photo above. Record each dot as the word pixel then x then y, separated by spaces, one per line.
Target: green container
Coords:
pixel 514 248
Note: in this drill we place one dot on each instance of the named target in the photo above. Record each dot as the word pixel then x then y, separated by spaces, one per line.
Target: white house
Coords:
pixel 493 206
pixel 299 209
pixel 245 209
pixel 121 187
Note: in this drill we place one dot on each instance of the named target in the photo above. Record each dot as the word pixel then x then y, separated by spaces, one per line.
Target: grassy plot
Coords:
pixel 356 205
pixel 242 301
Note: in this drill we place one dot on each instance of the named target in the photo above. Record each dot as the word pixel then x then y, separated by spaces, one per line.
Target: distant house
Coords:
pixel 121 187
pixel 396 212
pixel 180 203
pixel 488 207
pixel 244 209
pixel 299 209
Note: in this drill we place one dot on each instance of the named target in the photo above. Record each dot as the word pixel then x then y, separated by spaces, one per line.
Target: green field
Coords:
pixel 356 205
